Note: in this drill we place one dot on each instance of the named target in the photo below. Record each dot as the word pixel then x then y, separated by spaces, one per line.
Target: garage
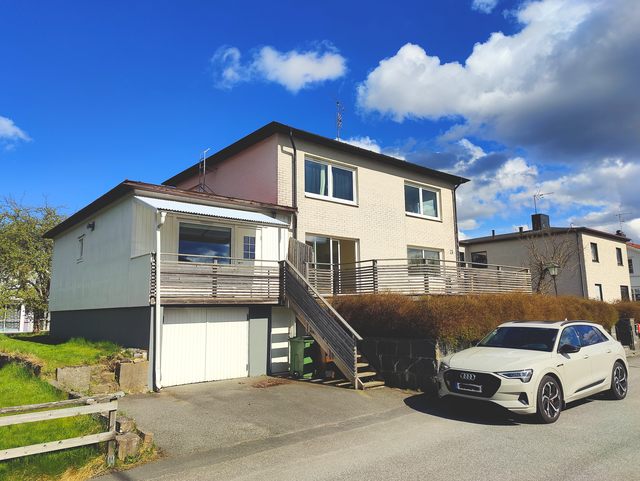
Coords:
pixel 206 344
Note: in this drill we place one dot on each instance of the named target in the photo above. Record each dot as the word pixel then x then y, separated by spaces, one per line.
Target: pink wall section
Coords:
pixel 251 174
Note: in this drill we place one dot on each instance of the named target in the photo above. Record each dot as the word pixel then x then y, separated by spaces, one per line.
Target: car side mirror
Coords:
pixel 569 349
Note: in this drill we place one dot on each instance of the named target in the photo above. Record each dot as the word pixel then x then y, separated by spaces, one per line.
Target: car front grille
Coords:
pixel 471 383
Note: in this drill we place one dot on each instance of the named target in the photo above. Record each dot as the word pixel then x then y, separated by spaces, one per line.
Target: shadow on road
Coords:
pixel 467 410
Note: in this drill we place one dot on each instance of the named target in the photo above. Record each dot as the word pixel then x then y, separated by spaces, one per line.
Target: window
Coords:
pixel 421 201
pixel 249 247
pixel 624 293
pixel 569 337
pixel 636 293
pixel 594 252
pixel 204 243
pixel 80 247
pixel 589 336
pixel 329 181
pixel 619 256
pixel 630 263
pixel 598 291
pixel 421 257
pixel 479 259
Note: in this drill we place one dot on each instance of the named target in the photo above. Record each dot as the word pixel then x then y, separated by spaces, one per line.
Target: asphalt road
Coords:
pixel 389 435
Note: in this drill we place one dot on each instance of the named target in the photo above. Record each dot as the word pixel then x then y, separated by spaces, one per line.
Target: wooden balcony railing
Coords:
pixel 406 276
pixel 218 279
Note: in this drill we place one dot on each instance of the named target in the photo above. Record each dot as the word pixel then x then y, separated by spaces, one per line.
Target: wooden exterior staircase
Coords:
pixel 334 335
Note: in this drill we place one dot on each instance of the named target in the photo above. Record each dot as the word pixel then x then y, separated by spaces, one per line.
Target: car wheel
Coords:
pixel 618 381
pixel 549 400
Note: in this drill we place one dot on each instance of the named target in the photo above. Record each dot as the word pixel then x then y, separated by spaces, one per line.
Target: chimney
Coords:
pixel 540 221
pixel 493 233
pixel 520 229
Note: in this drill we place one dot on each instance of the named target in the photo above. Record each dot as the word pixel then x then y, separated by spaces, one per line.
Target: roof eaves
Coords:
pixel 278 128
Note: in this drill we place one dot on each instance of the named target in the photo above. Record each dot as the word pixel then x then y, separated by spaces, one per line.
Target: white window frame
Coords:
pixel 420 188
pixel 599 293
pixel 330 196
pixel 80 248
pixel 417 270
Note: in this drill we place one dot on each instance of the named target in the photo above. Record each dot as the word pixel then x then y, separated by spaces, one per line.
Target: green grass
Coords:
pixel 58 352
pixel 19 386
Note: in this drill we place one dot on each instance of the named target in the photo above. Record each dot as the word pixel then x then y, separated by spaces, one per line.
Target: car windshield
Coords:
pixel 531 338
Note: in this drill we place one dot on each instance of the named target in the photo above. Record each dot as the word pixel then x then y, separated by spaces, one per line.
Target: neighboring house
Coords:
pixel 599 270
pixel 202 278
pixel 633 261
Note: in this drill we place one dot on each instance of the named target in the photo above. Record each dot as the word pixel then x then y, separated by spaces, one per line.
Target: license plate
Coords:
pixel 461 386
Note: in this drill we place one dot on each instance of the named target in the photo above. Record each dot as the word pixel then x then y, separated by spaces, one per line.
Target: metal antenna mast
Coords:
pixel 537 197
pixel 202 173
pixel 338 115
pixel 619 216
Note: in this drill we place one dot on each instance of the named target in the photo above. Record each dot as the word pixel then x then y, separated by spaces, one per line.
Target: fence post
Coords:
pixel 111 445
pixel 375 275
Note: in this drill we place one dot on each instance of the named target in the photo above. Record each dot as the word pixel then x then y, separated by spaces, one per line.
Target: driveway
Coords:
pixel 200 417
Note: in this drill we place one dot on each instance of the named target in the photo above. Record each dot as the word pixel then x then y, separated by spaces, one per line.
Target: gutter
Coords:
pixel 455 219
pixel 294 173
pixel 581 264
pixel 160 217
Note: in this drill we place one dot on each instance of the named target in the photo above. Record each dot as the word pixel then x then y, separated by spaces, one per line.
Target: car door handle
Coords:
pixel 586 356
pixel 608 351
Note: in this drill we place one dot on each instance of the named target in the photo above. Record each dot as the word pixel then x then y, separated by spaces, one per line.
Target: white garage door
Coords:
pixel 204 345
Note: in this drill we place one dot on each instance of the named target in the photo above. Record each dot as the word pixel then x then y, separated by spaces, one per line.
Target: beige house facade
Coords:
pixel 352 204
pixel 598 267
pixel 633 261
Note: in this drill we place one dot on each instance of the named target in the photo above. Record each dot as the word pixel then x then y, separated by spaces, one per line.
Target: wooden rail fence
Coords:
pixel 99 404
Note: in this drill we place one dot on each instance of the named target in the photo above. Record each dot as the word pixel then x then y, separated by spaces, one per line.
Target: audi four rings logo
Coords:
pixel 467 376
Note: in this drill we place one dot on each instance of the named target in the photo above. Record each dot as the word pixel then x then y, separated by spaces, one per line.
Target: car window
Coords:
pixel 570 337
pixel 531 338
pixel 588 335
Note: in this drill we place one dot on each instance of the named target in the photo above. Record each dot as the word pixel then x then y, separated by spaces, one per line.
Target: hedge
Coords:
pixel 461 319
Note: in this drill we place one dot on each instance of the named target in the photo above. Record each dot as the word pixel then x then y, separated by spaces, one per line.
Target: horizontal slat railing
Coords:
pixel 397 275
pixel 222 278
pixel 337 338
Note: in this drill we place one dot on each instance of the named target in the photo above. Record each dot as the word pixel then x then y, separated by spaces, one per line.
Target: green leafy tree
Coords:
pixel 25 256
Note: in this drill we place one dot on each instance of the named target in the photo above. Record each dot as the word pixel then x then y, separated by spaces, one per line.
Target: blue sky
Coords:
pixel 520 97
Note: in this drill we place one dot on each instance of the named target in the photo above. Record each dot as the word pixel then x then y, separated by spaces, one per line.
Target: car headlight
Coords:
pixel 443 367
pixel 524 375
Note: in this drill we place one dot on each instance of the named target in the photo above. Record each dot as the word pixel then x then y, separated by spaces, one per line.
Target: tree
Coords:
pixel 25 256
pixel 544 247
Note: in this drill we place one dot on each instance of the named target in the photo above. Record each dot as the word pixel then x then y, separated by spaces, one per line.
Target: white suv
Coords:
pixel 537 366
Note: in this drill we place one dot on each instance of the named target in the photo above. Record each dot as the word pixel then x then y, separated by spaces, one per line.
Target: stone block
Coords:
pixel 76 377
pixel 124 425
pixel 423 348
pixel 388 363
pixel 127 445
pixel 132 376
pixel 147 438
pixel 403 363
pixel 98 389
pixel 387 347
pixel 369 348
pixel 404 348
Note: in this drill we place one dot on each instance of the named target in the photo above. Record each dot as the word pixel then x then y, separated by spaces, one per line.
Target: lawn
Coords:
pixel 53 352
pixel 18 386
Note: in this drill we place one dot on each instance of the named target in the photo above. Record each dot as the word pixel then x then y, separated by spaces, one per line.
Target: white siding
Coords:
pixel 106 276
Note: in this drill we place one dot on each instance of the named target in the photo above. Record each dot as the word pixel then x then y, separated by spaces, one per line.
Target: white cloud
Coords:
pixel 363 143
pixel 566 84
pixel 484 6
pixel 293 70
pixel 10 133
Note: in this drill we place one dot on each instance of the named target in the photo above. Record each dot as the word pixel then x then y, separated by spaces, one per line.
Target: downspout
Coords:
pixel 160 218
pixel 455 221
pixel 294 173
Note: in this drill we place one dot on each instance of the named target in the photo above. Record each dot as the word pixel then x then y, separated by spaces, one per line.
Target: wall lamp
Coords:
pixel 92 226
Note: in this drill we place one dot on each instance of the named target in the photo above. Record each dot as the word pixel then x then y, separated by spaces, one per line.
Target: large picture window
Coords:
pixel 212 242
pixel 329 181
pixel 421 201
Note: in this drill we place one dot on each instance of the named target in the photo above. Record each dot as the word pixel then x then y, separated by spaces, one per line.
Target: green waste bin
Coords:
pixel 301 359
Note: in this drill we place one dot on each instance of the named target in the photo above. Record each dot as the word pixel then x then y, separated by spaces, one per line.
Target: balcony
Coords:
pixel 416 277
pixel 224 280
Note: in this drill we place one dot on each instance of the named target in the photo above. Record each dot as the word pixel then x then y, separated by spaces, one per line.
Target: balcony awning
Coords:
pixel 210 211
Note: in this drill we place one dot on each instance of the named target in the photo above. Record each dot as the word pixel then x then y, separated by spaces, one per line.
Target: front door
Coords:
pixel 338 256
pixel 248 246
